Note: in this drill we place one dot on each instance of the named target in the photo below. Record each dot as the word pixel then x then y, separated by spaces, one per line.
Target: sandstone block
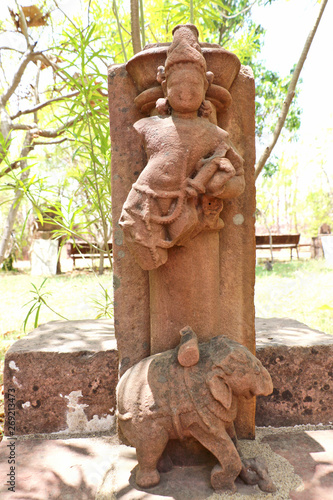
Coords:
pixel 62 377
pixel 300 362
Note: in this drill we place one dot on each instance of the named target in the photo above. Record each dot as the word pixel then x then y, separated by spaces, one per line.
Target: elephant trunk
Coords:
pixel 264 387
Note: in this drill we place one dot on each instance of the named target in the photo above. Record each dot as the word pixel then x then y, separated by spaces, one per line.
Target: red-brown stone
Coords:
pixel 209 281
pixel 299 360
pixel 159 400
pixel 62 377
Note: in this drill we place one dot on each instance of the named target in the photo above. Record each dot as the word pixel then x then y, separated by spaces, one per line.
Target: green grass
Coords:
pixel 301 290
pixel 71 294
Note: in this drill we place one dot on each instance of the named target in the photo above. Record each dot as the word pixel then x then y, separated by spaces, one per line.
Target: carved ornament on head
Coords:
pixel 147 68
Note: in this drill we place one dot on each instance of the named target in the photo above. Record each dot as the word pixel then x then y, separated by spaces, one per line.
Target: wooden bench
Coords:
pixel 278 241
pixel 81 250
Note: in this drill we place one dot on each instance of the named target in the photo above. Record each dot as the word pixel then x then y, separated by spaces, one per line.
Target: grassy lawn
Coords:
pixel 72 295
pixel 301 290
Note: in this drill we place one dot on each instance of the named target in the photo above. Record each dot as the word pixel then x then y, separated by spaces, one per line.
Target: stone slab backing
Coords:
pixel 63 376
pixel 300 362
pixel 237 239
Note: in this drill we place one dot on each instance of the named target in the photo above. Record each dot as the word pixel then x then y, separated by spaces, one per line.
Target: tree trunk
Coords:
pixel 101 263
pixel 135 26
pixel 290 94
pixel 9 224
pixel 5 129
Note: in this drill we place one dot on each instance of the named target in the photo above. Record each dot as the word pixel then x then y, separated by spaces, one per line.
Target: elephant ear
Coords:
pixel 220 390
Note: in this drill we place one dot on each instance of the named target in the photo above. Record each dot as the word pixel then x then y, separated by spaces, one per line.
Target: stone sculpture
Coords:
pixel 183 136
pixel 191 167
pixel 191 390
pixel 182 129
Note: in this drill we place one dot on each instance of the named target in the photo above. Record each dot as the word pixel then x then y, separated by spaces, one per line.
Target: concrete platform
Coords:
pixel 300 461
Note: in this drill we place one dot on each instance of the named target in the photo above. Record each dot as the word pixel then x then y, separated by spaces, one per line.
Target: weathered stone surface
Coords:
pixel 63 377
pixel 300 362
pixel 160 399
pixel 209 282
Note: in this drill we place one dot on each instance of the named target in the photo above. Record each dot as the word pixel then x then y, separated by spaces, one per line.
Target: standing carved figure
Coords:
pixel 192 267
pixel 192 166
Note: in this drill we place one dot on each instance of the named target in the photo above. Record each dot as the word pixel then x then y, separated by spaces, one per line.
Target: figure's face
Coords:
pixel 186 89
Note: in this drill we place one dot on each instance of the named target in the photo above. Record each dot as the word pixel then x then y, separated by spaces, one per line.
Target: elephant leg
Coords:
pixel 230 428
pixel 226 471
pixel 148 452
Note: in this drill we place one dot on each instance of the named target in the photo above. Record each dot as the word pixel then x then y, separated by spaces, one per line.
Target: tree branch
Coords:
pixel 16 164
pixel 115 11
pixel 43 104
pixel 24 126
pixel 23 24
pixel 64 13
pixel 28 56
pixel 290 94
pixel 12 48
pixel 52 133
pixel 238 13
pixel 41 143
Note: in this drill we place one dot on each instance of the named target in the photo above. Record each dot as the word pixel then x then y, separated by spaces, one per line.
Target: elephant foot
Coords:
pixel 254 471
pixel 165 463
pixel 147 479
pixel 221 480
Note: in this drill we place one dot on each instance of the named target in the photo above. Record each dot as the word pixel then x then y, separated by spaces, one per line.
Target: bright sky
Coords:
pixel 288 23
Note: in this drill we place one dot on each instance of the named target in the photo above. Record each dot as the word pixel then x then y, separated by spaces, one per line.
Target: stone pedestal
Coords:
pixel 54 364
pixel 63 377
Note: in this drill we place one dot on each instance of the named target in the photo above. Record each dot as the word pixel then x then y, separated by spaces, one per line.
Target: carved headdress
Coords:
pixel 185 48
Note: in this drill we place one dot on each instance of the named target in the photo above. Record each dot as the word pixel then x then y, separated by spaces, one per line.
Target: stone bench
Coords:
pixel 278 242
pixel 64 375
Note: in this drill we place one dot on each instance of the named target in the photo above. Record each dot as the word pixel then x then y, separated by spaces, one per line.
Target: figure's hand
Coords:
pixel 224 172
pixel 227 167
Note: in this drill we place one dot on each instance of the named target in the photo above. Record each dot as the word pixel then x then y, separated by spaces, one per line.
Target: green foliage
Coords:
pixel 38 300
pixel 271 90
pixel 8 263
pixel 103 304
pixel 319 208
pixel 83 207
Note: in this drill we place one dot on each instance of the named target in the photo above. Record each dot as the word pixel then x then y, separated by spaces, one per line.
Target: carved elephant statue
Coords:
pixel 188 391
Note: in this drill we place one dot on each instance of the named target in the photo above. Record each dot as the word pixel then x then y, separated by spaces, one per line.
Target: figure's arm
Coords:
pixel 223 185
